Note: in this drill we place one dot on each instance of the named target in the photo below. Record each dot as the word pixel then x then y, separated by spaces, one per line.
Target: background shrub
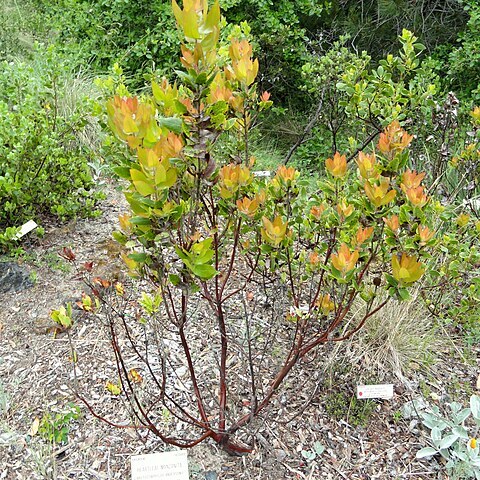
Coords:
pixel 43 162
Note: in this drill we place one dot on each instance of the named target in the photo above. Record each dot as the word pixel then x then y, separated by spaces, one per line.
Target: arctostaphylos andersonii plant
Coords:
pixel 248 274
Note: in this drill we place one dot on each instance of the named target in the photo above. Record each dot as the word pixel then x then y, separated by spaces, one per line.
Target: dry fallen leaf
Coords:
pixel 134 376
pixel 113 388
pixel 478 382
pixel 34 428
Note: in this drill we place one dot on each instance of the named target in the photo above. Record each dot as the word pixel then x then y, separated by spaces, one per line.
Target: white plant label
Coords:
pixel 26 228
pixel 375 391
pixel 160 466
pixel 262 173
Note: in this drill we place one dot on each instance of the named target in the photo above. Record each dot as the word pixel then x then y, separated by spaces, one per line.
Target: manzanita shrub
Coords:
pixel 44 167
pixel 249 274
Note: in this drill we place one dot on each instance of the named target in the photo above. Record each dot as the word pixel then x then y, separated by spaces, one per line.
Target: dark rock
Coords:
pixel 14 278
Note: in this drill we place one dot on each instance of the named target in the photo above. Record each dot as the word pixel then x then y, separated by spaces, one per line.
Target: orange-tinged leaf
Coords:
pixel 274 232
pixel 265 97
pixel 247 207
pixel 134 376
pixel 325 303
pixel 287 175
pixel 394 139
pixel 367 166
pixel 363 234
pixel 392 223
pixel 411 179
pixel 407 269
pixel 425 234
pixel 317 211
pixel 345 259
pixel 101 281
pixel 314 259
pixel 125 223
pixel 337 166
pixel 344 209
pixel 417 196
pixel 379 195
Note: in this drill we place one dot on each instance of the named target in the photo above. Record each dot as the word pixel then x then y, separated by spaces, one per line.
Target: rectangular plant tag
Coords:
pixel 375 391
pixel 262 173
pixel 160 466
pixel 26 228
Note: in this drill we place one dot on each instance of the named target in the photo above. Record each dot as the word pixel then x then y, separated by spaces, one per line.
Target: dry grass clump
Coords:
pixel 400 337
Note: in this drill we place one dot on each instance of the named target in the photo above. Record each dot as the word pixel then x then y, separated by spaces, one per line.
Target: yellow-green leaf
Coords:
pixel 213 17
pixel 142 184
pixel 113 388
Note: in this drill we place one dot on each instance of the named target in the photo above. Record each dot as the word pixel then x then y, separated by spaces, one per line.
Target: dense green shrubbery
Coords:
pixel 460 65
pixel 141 36
pixel 43 164
pixel 357 98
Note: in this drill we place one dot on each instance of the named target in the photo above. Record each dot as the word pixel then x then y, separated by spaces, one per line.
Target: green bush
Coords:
pixel 359 98
pixel 141 36
pixel 459 64
pixel 43 163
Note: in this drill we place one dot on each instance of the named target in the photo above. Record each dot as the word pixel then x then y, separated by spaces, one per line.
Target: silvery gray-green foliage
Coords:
pixel 454 438
pixel 310 455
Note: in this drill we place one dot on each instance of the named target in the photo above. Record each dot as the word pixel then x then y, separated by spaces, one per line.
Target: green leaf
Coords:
pixel 308 455
pixel 205 272
pixel 436 436
pixel 319 448
pixel 185 77
pixel 190 26
pixel 213 16
pixel 202 78
pixel 119 237
pixel 391 280
pixel 461 432
pixel 140 221
pixel 173 124
pixel 122 172
pixel 448 441
pixel 403 294
pixel 138 257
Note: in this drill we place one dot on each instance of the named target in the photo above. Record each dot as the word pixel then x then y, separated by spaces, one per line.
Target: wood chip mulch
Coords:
pixel 36 376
